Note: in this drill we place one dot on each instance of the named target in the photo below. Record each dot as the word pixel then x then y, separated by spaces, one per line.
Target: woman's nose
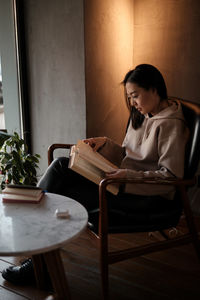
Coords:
pixel 132 102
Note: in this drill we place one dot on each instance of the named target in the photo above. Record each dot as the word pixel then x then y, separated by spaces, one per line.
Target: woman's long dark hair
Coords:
pixel 147 77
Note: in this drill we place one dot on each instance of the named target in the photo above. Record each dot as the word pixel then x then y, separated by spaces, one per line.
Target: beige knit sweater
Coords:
pixel 156 149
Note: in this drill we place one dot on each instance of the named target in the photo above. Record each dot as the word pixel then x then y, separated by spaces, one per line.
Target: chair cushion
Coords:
pixel 144 216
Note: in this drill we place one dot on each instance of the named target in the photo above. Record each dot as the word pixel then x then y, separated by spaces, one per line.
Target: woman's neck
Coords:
pixel 162 105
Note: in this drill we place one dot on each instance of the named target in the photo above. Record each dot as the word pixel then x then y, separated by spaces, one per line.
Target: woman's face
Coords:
pixel 146 101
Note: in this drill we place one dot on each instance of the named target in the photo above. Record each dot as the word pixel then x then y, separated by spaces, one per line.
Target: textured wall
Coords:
pixel 119 34
pixel 167 34
pixel 109 55
pixel 55 41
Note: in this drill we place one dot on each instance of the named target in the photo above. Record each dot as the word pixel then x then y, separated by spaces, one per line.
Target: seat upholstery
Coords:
pixel 151 216
pixel 192 116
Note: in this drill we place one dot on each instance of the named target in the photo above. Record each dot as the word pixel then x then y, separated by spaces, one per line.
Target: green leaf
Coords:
pixel 16 164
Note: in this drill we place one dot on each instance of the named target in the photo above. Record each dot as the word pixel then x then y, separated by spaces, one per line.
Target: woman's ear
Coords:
pixel 154 90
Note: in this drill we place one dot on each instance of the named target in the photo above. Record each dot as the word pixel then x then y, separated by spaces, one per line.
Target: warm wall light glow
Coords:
pixel 109 55
pixel 166 34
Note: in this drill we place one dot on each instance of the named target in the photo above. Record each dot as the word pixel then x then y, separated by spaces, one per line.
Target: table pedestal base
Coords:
pixel 56 272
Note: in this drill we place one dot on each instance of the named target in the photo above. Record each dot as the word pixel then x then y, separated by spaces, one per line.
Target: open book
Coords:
pixel 22 194
pixel 91 164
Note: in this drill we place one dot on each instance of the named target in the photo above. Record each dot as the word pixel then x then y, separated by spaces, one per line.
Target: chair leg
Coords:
pixel 196 245
pixel 104 277
pixel 104 266
pixel 191 223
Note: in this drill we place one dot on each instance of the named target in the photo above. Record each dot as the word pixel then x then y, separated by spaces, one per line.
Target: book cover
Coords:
pixel 91 164
pixel 13 198
pixel 22 193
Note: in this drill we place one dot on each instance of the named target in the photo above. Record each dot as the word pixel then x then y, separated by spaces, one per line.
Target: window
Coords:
pixel 9 68
pixel 2 119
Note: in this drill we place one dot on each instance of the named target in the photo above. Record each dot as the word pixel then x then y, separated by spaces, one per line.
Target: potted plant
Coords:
pixel 17 166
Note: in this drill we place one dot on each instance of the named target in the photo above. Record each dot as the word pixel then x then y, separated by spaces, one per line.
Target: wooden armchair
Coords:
pixel 158 221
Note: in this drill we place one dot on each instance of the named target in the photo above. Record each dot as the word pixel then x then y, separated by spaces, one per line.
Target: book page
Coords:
pixel 86 168
pixel 86 152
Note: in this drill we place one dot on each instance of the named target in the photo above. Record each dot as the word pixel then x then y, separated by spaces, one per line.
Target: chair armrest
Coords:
pixel 151 180
pixel 181 183
pixel 54 147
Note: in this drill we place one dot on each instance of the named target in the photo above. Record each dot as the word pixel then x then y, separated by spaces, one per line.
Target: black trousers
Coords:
pixel 59 179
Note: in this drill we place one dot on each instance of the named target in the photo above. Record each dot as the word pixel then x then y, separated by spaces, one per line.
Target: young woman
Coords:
pixel 151 148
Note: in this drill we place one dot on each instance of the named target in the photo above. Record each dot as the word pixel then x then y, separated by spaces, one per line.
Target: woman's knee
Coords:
pixel 54 171
pixel 60 162
pixel 61 159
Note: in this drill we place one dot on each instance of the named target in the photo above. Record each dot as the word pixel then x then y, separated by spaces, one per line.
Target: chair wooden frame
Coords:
pixel 106 257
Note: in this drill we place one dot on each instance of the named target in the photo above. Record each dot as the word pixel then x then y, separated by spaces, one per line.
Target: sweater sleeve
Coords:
pixel 113 152
pixel 171 141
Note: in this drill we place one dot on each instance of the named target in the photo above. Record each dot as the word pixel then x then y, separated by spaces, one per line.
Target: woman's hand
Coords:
pixel 119 173
pixel 96 143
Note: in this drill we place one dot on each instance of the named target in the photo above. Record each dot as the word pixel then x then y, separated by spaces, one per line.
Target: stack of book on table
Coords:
pixel 22 194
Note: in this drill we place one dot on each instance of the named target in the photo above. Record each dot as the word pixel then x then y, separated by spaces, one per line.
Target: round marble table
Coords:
pixel 34 230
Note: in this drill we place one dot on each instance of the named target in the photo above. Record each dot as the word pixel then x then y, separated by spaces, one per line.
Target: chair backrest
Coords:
pixel 191 113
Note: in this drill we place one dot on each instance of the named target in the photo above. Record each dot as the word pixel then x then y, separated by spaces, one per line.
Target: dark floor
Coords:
pixel 170 274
